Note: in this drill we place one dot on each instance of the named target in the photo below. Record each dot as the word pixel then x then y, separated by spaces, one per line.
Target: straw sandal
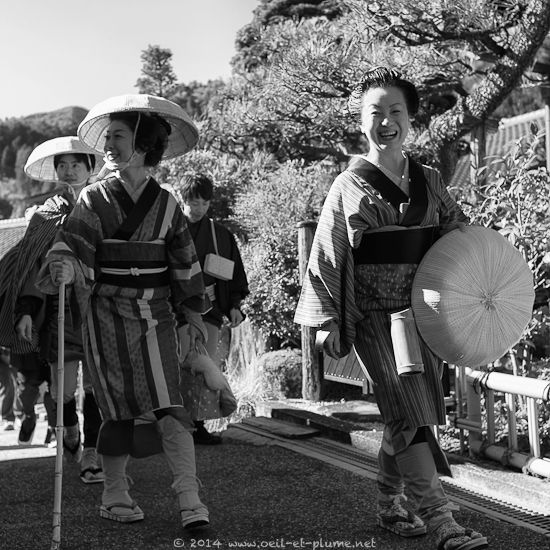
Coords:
pixel 122 512
pixel 195 519
pixel 451 536
pixel 394 517
pixel 92 475
pixel 90 470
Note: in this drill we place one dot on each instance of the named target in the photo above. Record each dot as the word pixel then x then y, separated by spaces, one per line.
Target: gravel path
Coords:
pixel 260 496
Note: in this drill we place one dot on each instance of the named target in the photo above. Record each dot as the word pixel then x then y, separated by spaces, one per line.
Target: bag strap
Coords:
pixel 214 236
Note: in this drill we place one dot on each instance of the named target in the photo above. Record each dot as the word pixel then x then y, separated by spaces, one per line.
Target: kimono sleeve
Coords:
pixel 76 242
pixel 328 290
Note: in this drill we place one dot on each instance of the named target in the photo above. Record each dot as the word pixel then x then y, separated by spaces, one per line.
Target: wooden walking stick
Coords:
pixel 59 428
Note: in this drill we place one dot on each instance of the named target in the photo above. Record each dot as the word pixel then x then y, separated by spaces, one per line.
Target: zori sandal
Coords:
pixel 394 517
pixel 122 512
pixel 92 475
pixel 451 536
pixel 195 519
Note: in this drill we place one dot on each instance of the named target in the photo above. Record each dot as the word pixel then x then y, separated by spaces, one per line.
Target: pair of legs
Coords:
pixel 32 372
pixel 179 450
pixel 74 451
pixel 90 467
pixel 72 445
pixel 413 468
pixel 8 390
pixel 201 435
pixel 92 421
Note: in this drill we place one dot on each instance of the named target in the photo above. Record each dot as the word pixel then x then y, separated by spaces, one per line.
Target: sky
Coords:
pixel 60 53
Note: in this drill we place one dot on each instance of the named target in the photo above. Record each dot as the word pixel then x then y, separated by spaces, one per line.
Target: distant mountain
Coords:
pixel 67 118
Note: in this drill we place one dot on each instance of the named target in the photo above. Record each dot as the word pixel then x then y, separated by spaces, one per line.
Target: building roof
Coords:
pixel 11 232
pixel 499 142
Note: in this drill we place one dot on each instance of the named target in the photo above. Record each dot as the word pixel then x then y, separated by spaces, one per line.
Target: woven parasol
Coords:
pixel 183 136
pixel 40 164
pixel 472 296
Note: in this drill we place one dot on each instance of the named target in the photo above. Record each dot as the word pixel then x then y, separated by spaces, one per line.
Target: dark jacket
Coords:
pixel 229 294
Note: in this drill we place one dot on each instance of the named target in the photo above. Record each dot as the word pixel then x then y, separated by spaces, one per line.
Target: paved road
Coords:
pixel 259 494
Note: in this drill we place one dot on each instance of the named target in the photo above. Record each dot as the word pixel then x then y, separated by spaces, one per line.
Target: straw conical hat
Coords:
pixel 40 165
pixel 183 137
pixel 472 296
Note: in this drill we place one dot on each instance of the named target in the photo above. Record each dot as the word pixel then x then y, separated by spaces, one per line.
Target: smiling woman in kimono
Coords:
pixel 380 216
pixel 130 258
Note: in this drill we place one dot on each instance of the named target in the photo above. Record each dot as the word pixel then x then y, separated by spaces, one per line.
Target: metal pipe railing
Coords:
pixel 490 412
pixel 512 425
pixel 521 461
pixel 533 425
pixel 507 383
pixel 531 389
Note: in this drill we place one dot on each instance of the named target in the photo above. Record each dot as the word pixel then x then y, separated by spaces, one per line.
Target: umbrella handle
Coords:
pixel 56 534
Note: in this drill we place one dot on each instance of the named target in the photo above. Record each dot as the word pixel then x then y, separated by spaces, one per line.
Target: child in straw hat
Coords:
pixel 128 254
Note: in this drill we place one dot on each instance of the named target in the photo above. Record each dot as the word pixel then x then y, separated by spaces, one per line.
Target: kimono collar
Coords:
pixel 135 212
pixel 418 195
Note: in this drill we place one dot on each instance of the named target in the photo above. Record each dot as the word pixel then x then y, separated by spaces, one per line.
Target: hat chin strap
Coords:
pixel 118 166
pixel 111 166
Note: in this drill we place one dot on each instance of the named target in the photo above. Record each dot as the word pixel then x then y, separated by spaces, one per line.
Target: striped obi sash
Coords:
pixel 395 246
pixel 133 264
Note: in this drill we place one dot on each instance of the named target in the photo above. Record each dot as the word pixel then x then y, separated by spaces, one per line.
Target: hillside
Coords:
pixel 18 137
pixel 67 118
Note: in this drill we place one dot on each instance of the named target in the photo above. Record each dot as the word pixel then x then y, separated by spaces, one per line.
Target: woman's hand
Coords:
pixel 196 329
pixel 327 339
pixel 236 317
pixel 196 334
pixel 61 272
pixel 331 345
pixel 23 328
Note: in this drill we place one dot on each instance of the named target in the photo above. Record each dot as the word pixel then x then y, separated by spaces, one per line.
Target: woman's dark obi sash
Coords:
pixel 141 280
pixel 401 246
pixel 128 263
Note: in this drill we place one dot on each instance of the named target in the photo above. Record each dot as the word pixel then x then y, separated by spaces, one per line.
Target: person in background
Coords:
pixel 196 192
pixel 66 161
pixel 31 371
pixel 129 260
pixel 380 217
pixel 8 386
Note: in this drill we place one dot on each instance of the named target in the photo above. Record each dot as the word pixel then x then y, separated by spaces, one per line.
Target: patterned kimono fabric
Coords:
pixel 364 257
pixel 16 265
pixel 136 268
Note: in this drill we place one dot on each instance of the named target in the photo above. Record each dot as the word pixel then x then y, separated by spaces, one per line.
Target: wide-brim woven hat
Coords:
pixel 472 296
pixel 40 164
pixel 183 137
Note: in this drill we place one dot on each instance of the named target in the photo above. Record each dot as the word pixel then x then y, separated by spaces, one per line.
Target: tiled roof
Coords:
pixel 509 131
pixel 11 232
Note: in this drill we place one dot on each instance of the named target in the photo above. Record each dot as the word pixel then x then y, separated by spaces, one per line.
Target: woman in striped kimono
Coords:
pixel 129 256
pixel 379 218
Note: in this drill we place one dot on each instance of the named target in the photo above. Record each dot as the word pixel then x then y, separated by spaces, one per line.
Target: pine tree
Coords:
pixel 158 77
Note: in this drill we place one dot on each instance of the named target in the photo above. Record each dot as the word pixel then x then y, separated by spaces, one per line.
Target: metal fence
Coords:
pixel 470 386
